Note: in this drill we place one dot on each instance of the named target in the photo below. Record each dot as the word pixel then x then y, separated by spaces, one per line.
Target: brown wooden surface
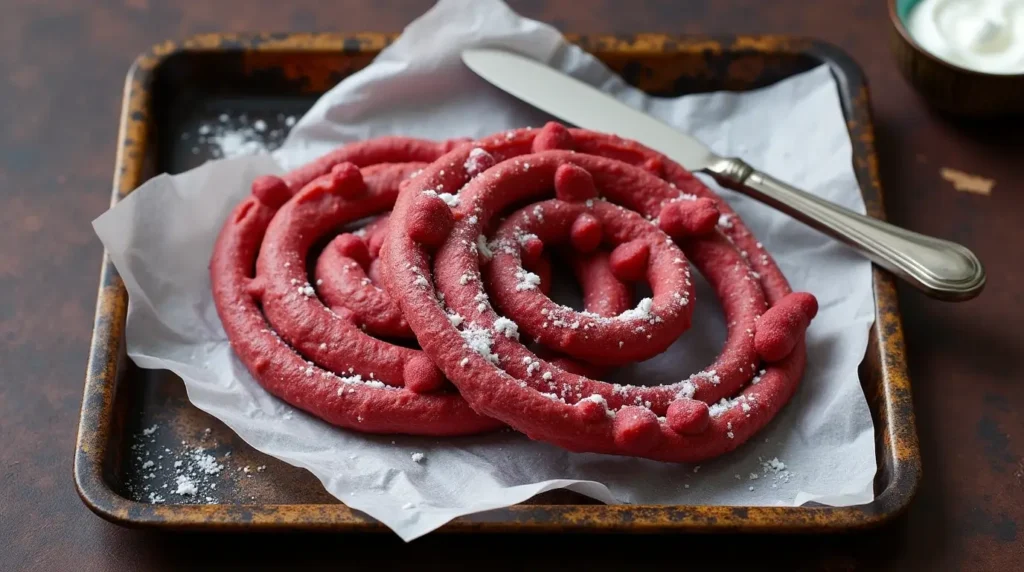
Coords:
pixel 62 65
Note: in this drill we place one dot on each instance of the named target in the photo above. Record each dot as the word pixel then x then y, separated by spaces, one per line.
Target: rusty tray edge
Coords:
pixel 106 350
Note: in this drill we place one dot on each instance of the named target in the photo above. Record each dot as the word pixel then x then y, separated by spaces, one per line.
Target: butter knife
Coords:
pixel 942 269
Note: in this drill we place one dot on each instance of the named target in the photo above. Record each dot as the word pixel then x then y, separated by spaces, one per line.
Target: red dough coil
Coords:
pixel 344 282
pixel 460 270
pixel 315 356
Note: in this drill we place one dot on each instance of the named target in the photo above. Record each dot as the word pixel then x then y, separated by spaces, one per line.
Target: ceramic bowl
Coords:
pixel 949 87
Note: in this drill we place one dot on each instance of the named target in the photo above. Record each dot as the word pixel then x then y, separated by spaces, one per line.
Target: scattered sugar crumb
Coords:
pixel 526 280
pixel 482 247
pixel 507 327
pixel 235 135
pixel 479 341
pixel 186 486
pixel 448 198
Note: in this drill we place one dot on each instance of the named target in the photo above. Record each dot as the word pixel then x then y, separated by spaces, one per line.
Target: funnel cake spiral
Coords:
pixel 460 269
pixel 314 356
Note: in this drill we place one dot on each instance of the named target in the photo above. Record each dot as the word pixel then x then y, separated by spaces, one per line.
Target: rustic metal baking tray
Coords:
pixel 176 87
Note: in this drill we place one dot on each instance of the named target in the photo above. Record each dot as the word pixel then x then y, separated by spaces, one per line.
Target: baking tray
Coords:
pixel 135 422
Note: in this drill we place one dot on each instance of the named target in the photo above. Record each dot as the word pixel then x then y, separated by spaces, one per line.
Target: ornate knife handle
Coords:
pixel 940 268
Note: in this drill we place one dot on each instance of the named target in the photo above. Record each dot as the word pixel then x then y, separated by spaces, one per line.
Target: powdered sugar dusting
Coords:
pixel 526 280
pixel 600 400
pixel 478 160
pixel 718 409
pixel 775 469
pixel 186 486
pixel 506 327
pixel 641 312
pixel 449 199
pixel 186 474
pixel 686 389
pixel 480 342
pixel 525 237
pixel 235 135
pixel 483 248
pixel 710 376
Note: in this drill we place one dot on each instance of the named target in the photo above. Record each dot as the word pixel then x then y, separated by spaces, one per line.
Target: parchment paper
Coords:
pixel 161 236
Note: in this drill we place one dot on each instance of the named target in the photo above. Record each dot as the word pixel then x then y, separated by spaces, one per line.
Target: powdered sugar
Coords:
pixel 776 469
pixel 419 280
pixel 596 398
pixel 355 379
pixel 532 365
pixel 600 400
pixel 641 312
pixel 686 389
pixel 717 409
pixel 186 486
pixel 526 280
pixel 232 135
pixel 757 378
pixel 483 248
pixel 525 237
pixel 449 199
pixel 480 342
pixel 506 327
pixel 478 160
pixel 186 474
pixel 709 376
pixel 206 462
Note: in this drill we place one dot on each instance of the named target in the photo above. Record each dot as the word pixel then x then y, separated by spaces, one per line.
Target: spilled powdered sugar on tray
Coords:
pixel 234 135
pixel 188 473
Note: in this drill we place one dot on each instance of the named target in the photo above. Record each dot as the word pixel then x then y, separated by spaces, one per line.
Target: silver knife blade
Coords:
pixel 583 105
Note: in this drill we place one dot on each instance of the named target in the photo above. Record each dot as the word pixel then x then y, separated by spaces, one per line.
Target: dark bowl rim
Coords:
pixel 897 22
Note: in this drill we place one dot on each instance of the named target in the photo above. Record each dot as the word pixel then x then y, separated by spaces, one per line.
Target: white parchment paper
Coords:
pixel 160 239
